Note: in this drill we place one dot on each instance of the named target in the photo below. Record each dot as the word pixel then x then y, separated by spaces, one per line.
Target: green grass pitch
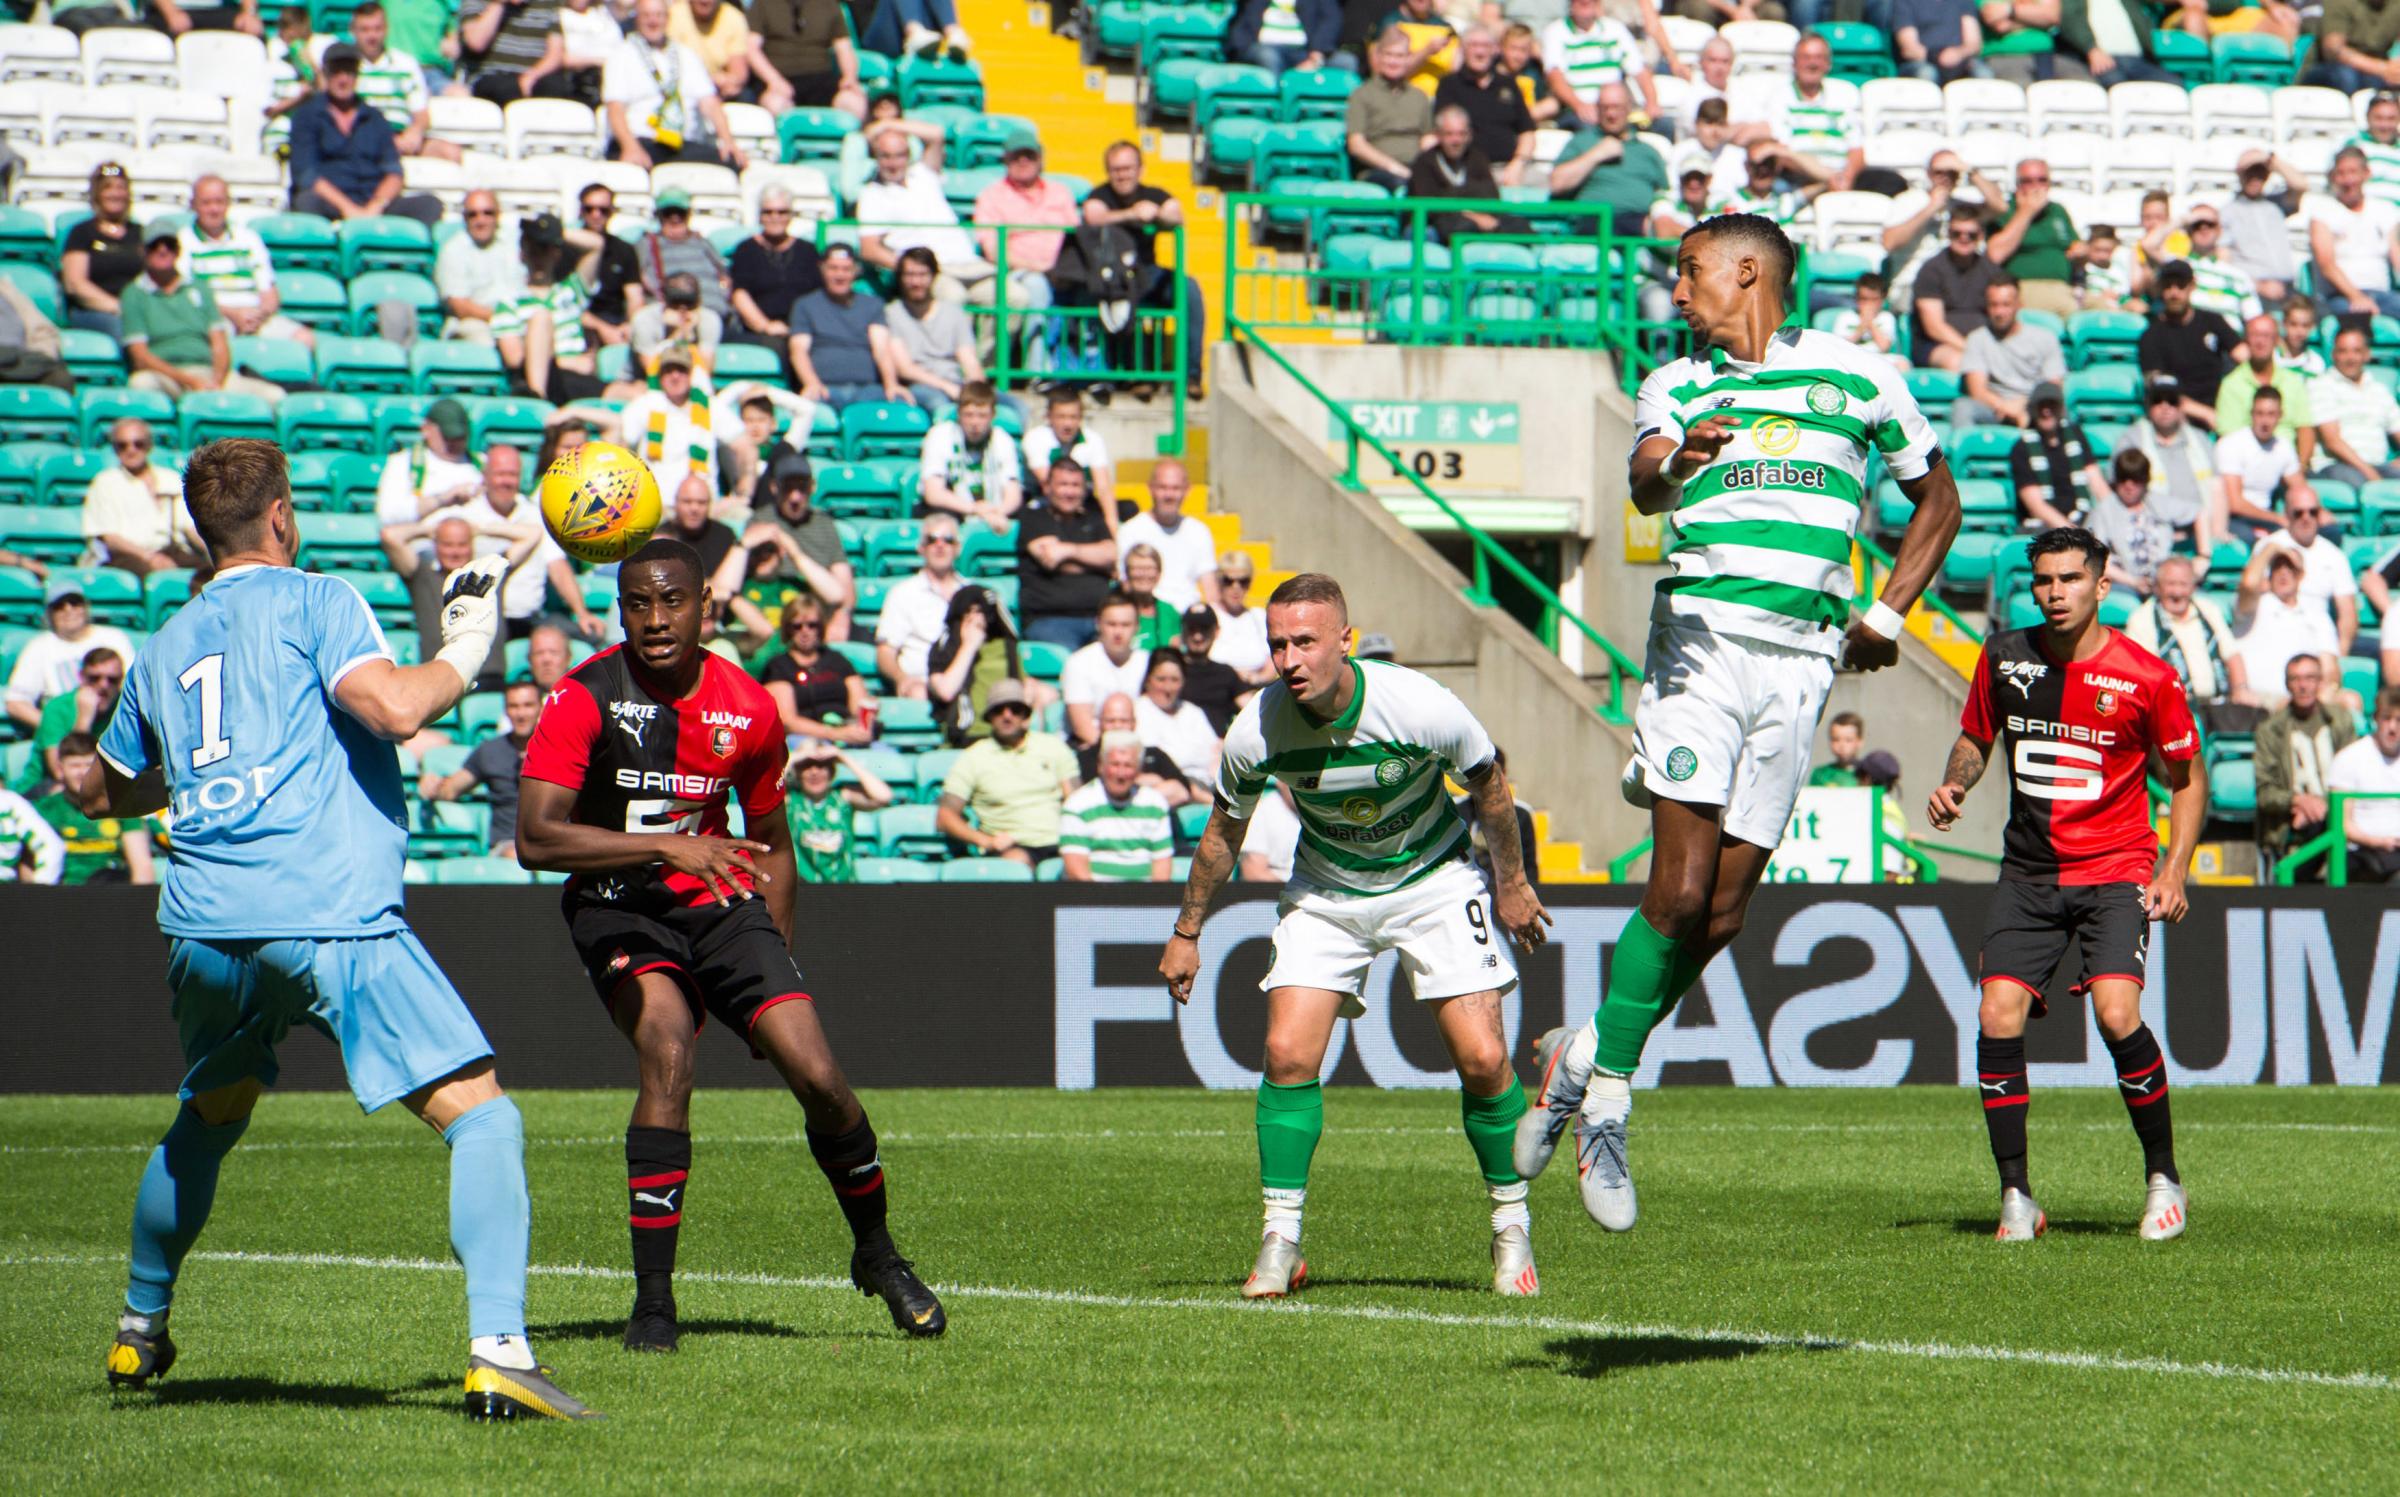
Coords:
pixel 1811 1301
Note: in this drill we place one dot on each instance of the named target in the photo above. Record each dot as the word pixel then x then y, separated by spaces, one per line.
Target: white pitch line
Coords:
pixel 1937 1351
pixel 1104 1135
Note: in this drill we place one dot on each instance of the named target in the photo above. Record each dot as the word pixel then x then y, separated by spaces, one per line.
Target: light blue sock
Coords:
pixel 491 1221
pixel 171 1207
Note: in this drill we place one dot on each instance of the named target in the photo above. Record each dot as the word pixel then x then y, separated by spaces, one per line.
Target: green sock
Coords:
pixel 1492 1130
pixel 1641 978
pixel 1290 1120
pixel 1683 976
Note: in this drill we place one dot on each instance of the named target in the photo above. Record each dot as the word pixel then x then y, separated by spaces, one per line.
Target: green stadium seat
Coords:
pixel 1319 94
pixel 478 868
pixel 909 831
pixel 312 479
pixel 318 420
pixel 2183 54
pixel 116 597
pixel 883 428
pixel 66 475
pixel 444 760
pixel 92 357
pixel 164 591
pixel 979 142
pixel 40 287
pixel 1228 145
pixel 1168 91
pixel 2379 506
pixel 895 871
pixel 857 490
pixel 1860 52
pixel 932 768
pixel 2233 788
pixel 315 298
pixel 2095 338
pixel 749 361
pixel 2340 499
pixel 208 415
pixel 37 413
pixel 891 548
pixel 965 184
pixel 1934 389
pixel 1989 504
pixel 361 366
pixel 387 594
pixel 1311 148
pixel 1505 318
pixel 25 238
pixel 386 243
pixel 1983 451
pixel 988 553
pixel 400 421
pixel 507 418
pixel 926 81
pixel 859 652
pixel 2251 57
pixel 985 871
pixel 299 241
pixel 907 723
pixel 437 368
pixel 1967 569
pixel 1005 589
pixel 278 361
pixel 2109 393
pixel 1412 318
pixel 813 133
pixel 355 477
pixel 20 606
pixel 21 470
pixel 98 409
pixel 1190 821
pixel 341 543
pixel 370 292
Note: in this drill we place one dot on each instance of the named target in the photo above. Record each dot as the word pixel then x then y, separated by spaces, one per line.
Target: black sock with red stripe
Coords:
pixel 855 1171
pixel 658 1163
pixel 2000 1076
pixel 2142 1082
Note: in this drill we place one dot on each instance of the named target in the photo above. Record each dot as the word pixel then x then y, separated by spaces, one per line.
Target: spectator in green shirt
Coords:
pixel 84 710
pixel 107 851
pixel 175 338
pixel 824 818
pixel 2036 243
pixel 2355 39
pixel 1606 165
pixel 1846 738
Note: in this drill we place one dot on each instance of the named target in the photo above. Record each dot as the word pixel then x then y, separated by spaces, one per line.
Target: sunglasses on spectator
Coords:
pixel 796 625
pixel 597 207
pixel 1012 710
pixel 941 540
pixel 2025 179
pixel 2297 513
pixel 482 213
pixel 2197 224
pixel 1965 236
pixel 774 212
pixel 130 444
pixel 102 678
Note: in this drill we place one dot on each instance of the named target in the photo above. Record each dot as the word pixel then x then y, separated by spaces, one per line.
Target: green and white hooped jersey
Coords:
pixel 1280 26
pixel 1605 54
pixel 1760 544
pixel 1368 786
pixel 2383 165
pixel 235 269
pixel 1825 127
pixel 393 86
pixel 566 301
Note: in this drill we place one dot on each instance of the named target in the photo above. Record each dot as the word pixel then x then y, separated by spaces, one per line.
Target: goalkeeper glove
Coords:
pixel 471 616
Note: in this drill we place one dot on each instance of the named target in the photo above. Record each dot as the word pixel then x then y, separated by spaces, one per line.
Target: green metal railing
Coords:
pixel 1550 274
pixel 1157 335
pixel 1486 553
pixel 2332 844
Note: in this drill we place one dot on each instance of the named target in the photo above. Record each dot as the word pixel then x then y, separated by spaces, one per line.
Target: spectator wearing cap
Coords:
pixel 133 513
pixel 824 815
pixel 669 427
pixel 1214 687
pixel 545 336
pixel 2192 346
pixel 101 255
pixel 345 160
pixel 1186 547
pixel 2005 360
pixel 455 540
pixel 1241 624
pixel 175 338
pixel 2355 413
pixel 432 473
pixel 968 466
pixel 494 767
pixel 1112 663
pixel 2255 238
pixel 1880 770
pixel 840 349
pixel 661 104
pixel 795 547
pixel 2138 537
pixel 2053 468
pixel 2182 458
pixel 1375 646
pixel 771 269
pixel 51 662
pixel 1016 782
pixel 676 320
pixel 1114 829
pixel 674 247
pixel 1065 560
pixel 1037 211
pixel 933 348
pixel 477 272
pixel 2260 368
pixel 917 609
pixel 2354 240
pixel 1949 291
pixel 30 344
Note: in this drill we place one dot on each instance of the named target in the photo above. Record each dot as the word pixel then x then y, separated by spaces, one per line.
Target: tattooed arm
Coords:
pixel 1213 863
pixel 1518 908
pixel 1968 758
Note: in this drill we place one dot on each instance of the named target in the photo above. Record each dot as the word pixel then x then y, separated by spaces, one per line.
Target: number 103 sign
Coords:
pixel 1450 444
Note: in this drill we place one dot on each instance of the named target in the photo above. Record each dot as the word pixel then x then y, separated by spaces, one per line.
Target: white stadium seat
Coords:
pixel 1902 104
pixel 550 127
pixel 714 189
pixel 1984 104
pixel 1549 145
pixel 1904 151
pixel 117 55
pixel 2311 156
pixel 1995 153
pixel 1852 222
pixel 1761 46
pixel 2079 207
pixel 812 194
pixel 65 171
pixel 87 114
pixel 31 53
pixel 446 180
pixel 222 62
pixel 2068 106
pixel 469 123
pixel 25 113
pixel 184 119
pixel 2234 109
pixel 2150 109
pixel 629 183
pixel 1687 37
pixel 2312 114
pixel 253 181
pixel 2120 209
pixel 2073 160
pixel 2146 163
pixel 527 188
pixel 754 127
pixel 2209 165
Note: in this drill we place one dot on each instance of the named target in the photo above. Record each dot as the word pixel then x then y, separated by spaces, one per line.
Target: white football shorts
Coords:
pixel 1441 925
pixel 1727 721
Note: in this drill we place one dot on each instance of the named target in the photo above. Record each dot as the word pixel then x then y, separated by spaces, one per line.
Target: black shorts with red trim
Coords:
pixel 729 960
pixel 2034 926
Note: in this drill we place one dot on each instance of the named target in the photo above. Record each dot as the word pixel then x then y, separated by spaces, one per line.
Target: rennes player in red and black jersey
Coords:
pixel 625 786
pixel 2082 715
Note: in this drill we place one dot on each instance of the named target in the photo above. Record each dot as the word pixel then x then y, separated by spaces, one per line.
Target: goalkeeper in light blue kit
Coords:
pixel 262 717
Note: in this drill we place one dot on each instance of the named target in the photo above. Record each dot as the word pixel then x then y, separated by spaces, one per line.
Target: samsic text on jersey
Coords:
pixel 2077 738
pixel 637 764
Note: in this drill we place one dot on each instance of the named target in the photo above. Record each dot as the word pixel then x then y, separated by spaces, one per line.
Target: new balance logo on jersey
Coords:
pixel 2022 674
pixel 634 717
